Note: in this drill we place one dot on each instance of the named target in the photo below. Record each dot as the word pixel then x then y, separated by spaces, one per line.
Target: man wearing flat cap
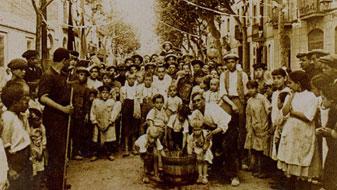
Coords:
pixel 33 70
pixel 18 69
pixel 233 90
pixel 314 68
pixel 167 49
pixel 329 65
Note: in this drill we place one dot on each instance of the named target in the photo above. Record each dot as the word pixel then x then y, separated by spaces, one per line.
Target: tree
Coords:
pixel 189 18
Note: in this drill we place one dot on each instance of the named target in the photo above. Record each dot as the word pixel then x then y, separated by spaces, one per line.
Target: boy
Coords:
pixel 162 81
pixel 151 150
pixel 15 96
pixel 81 109
pixel 129 122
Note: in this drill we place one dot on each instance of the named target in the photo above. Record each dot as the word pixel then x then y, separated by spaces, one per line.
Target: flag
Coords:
pixel 71 37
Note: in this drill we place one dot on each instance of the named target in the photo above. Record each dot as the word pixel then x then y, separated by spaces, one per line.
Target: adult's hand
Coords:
pixel 69 109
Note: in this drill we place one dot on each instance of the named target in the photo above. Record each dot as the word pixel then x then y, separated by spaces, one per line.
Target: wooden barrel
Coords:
pixel 179 169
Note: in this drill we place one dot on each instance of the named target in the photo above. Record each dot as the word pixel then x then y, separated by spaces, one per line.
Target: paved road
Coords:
pixel 125 173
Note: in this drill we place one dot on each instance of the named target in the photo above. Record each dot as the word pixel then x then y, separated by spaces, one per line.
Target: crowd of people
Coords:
pixel 279 123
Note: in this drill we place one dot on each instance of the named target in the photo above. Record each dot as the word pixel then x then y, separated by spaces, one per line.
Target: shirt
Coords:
pixel 162 85
pixel 232 88
pixel 158 117
pixel 212 97
pixel 14 135
pixel 173 103
pixel 94 84
pixel 128 92
pixel 143 144
pixel 176 125
pixel 214 115
pixel 145 93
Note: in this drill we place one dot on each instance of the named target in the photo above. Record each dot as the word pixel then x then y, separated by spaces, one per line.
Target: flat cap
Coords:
pixel 74 53
pixel 330 60
pixel 301 54
pixel 230 56
pixel 170 55
pixel 17 64
pixel 188 55
pixel 29 54
pixel 149 64
pixel 318 52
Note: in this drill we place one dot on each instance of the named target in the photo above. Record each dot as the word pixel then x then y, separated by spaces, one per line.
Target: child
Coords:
pixel 15 96
pixel 81 109
pixel 150 150
pixel 173 101
pixel 145 92
pixel 104 112
pixel 212 95
pixel 129 122
pixel 157 116
pixel 297 149
pixel 200 145
pixel 178 128
pixel 257 124
pixel 38 146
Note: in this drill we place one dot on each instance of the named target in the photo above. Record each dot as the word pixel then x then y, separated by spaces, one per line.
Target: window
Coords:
pixel 254 14
pixel 2 50
pixel 30 43
pixel 315 39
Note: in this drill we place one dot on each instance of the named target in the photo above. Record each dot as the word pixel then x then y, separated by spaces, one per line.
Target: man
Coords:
pixel 54 93
pixel 18 69
pixel 33 71
pixel 223 135
pixel 138 59
pixel 171 62
pixel 329 65
pixel 233 90
pixel 309 62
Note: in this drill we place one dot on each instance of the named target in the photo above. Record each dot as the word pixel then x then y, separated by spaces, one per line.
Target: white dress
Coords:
pixel 298 140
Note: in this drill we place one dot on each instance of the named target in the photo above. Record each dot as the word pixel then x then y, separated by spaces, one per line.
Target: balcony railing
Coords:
pixel 313 8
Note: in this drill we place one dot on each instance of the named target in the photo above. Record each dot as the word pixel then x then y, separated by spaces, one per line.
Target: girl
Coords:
pixel 200 145
pixel 157 116
pixel 129 122
pixel 173 101
pixel 213 95
pixel 297 154
pixel 178 128
pixel 257 125
pixel 103 114
pixel 15 136
pixel 38 146
pixel 329 101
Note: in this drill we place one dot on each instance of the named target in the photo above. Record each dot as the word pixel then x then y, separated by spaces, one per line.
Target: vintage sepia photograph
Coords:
pixel 168 94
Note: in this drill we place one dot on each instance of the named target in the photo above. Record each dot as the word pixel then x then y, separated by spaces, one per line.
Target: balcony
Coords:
pixel 287 19
pixel 309 9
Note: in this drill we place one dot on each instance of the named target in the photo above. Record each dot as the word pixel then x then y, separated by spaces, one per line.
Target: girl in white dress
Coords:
pixel 298 154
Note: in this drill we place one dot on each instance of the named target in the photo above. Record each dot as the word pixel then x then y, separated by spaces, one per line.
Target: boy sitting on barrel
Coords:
pixel 151 150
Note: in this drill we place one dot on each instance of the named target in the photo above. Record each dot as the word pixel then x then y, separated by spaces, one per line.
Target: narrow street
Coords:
pixel 125 173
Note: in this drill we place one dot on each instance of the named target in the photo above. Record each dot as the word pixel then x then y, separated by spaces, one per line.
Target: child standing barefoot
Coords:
pixel 151 150
pixel 104 113
pixel 200 145
pixel 257 124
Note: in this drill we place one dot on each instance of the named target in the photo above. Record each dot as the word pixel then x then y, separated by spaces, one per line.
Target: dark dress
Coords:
pixel 55 86
pixel 330 167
